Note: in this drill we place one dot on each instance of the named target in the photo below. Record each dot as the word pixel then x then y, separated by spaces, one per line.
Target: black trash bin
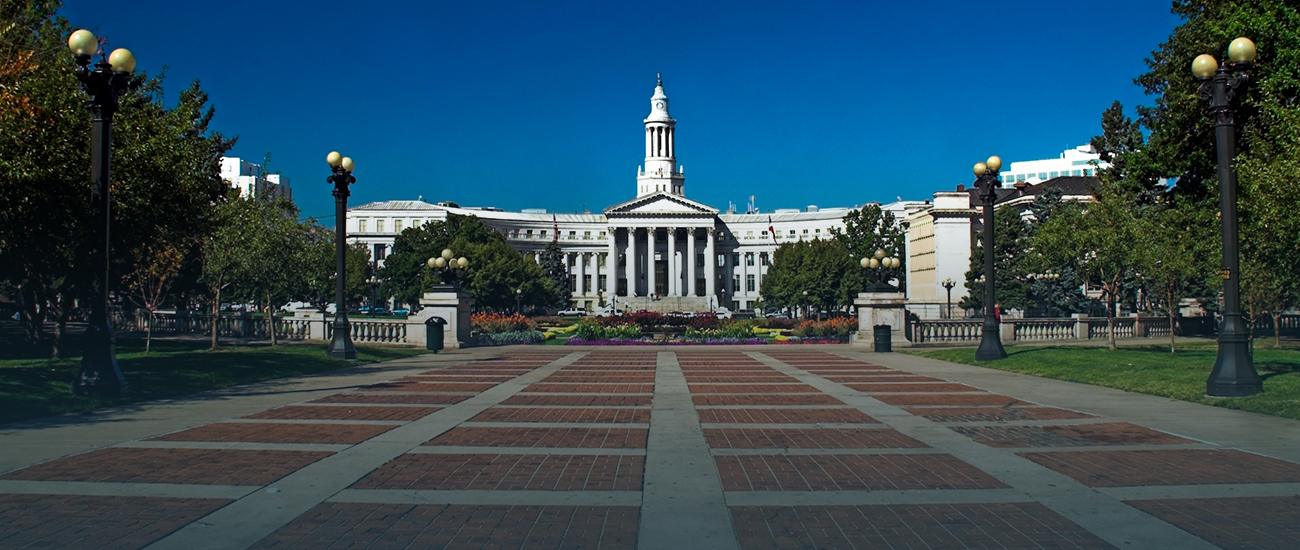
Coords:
pixel 433 333
pixel 883 342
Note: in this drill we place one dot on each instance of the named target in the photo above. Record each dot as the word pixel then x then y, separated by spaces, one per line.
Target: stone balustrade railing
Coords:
pixel 1074 328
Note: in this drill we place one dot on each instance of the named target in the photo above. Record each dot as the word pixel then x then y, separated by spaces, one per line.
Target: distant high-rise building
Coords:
pixel 252 181
pixel 1081 161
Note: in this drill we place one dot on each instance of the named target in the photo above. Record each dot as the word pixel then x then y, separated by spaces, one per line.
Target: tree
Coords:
pixel 869 229
pixel 495 271
pixel 822 268
pixel 271 269
pixel 318 258
pixel 1010 260
pixel 1096 240
pixel 155 271
pixel 1175 255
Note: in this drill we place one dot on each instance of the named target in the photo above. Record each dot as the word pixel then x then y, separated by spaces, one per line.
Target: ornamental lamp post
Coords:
pixel 374 294
pixel 947 285
pixel 881 263
pixel 341 344
pixel 1234 371
pixel 986 179
pixel 445 265
pixel 99 374
pixel 519 294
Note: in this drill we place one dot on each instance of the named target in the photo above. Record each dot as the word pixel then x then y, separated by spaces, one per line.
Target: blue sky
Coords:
pixel 540 104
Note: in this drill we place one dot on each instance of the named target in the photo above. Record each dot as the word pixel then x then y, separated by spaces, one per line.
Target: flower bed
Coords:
pixel 515 337
pixel 795 340
pixel 495 323
pixel 576 341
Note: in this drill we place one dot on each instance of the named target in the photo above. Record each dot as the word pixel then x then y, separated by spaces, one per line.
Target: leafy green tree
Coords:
pixel 1175 255
pixel 495 271
pixel 869 229
pixel 556 271
pixel 822 268
pixel 271 269
pixel 1010 243
pixel 320 270
pixel 155 271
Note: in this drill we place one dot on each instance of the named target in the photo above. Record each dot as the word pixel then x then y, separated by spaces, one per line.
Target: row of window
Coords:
pixel 1044 176
pixel 763 258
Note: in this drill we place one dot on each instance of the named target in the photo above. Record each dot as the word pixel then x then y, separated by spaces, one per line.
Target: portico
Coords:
pixel 666 248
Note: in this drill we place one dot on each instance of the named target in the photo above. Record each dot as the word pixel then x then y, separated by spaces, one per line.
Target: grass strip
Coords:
pixel 1150 369
pixel 36 388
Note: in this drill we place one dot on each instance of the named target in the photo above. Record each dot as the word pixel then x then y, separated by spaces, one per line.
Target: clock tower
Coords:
pixel 661 173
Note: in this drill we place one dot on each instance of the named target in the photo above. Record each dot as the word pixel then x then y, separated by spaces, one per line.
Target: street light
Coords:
pixel 374 293
pixel 881 263
pixel 99 375
pixel 1234 371
pixel 341 344
pixel 519 293
pixel 986 178
pixel 947 285
pixel 446 266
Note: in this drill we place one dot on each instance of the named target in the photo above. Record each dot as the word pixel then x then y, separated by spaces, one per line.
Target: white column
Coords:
pixel 744 274
pixel 728 271
pixel 611 264
pixel 674 274
pixel 631 261
pixel 710 265
pixel 670 142
pixel 580 287
pixel 650 260
pixel 647 144
pixel 690 262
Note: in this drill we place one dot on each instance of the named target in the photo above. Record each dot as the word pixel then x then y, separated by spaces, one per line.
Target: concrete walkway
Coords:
pixel 809 447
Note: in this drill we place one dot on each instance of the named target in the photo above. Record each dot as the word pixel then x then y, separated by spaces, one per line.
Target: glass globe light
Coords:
pixel 429 263
pixel 875 263
pixel 440 262
pixel 866 262
pixel 1241 50
pixel 347 164
pixel 83 42
pixel 334 159
pixel 122 60
pixel 879 254
pixel 980 169
pixel 462 262
pixel 1204 66
pixel 447 254
pixel 994 163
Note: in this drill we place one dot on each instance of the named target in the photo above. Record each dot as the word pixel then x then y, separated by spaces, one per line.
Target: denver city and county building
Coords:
pixel 662 251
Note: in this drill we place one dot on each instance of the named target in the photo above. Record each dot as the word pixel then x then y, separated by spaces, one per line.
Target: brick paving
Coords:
pixel 1109 433
pixel 341 434
pixel 508 472
pixel 95 522
pixel 845 438
pixel 798 438
pixel 580 438
pixel 457 527
pixel 1012 525
pixel 1181 467
pixel 300 412
pixel 1258 522
pixel 193 466
pixel 784 416
pixel 548 414
pixel 850 472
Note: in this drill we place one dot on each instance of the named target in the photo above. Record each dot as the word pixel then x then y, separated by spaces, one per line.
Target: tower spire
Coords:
pixel 661 174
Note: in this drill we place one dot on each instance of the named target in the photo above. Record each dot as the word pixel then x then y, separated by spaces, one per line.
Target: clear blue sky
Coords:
pixel 539 104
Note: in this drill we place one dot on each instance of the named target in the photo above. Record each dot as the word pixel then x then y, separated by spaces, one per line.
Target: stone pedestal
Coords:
pixel 451 303
pixel 882 308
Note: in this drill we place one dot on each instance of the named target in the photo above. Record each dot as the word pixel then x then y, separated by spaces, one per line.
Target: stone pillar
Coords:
pixel 710 265
pixel 744 275
pixel 673 271
pixel 728 281
pixel 690 262
pixel 881 308
pixel 631 261
pixel 611 264
pixel 453 305
pixel 650 260
pixel 581 285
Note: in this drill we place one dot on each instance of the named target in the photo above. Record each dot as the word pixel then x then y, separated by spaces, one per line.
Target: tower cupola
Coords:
pixel 661 173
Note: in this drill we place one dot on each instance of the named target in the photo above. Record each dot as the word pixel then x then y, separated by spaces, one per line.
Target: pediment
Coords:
pixel 661 204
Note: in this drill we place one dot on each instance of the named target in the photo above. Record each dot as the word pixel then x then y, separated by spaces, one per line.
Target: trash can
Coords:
pixel 433 333
pixel 883 342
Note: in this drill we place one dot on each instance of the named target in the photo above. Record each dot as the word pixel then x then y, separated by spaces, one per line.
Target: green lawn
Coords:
pixel 1150 369
pixel 32 387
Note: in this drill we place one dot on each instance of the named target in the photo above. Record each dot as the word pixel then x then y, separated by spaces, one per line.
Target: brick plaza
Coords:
pixel 764 447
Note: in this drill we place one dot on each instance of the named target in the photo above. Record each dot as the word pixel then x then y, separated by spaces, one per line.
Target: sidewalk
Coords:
pixel 675 448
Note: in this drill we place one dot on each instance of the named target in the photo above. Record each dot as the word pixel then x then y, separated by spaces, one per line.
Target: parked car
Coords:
pixel 402 311
pixel 722 313
pixel 606 312
pixel 573 312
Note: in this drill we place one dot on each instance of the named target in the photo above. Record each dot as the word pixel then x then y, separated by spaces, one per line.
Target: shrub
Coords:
pixel 705 321
pixel 838 327
pixel 779 323
pixel 552 321
pixel 729 329
pixel 512 338
pixel 492 323
pixel 597 330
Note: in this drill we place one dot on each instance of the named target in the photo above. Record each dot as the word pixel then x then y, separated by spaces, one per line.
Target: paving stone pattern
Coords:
pixel 813 450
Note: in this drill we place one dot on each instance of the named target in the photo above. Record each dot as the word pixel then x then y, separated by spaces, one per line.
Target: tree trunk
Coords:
pixel 270 317
pixel 1172 326
pixel 148 329
pixel 1277 329
pixel 61 326
pixel 1110 319
pixel 216 317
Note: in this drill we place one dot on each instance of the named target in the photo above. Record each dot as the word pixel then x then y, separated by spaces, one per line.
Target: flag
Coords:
pixel 771 228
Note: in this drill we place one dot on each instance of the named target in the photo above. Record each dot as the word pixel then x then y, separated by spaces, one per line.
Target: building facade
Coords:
pixel 252 181
pixel 659 251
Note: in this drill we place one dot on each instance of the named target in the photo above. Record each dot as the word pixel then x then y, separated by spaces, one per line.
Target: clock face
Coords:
pixel 659 105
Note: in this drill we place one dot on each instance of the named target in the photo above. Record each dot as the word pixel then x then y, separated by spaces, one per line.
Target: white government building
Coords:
pixel 661 251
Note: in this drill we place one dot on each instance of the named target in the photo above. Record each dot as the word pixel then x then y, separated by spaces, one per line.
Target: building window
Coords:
pixel 543 233
pixel 749 235
pixel 1076 173
pixel 397 226
pixel 361 226
pixel 767 260
pixel 735 258
pixel 573 235
pixel 1087 172
pixel 586 235
pixel 573 283
pixel 1020 177
pixel 735 282
pixel 600 260
pixel 600 284
pixel 602 235
pixel 379 226
pixel 380 251
pixel 749 283
pixel 792 233
pixel 763 235
pixel 735 305
pixel 528 234
pixel 721 261
pixel 699 260
pixel 749 259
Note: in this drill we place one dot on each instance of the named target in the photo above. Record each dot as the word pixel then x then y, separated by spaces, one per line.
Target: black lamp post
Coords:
pixel 341 344
pixel 447 266
pixel 99 375
pixel 1234 371
pixel 986 179
pixel 947 285
pixel 374 294
pixel 519 294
